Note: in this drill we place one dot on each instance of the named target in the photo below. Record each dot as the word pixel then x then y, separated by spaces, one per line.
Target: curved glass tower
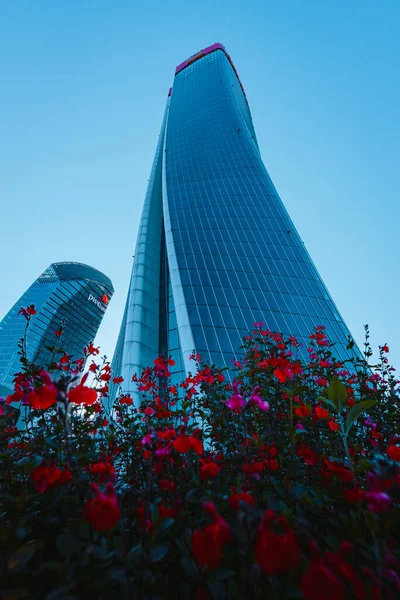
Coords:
pixel 70 292
pixel 216 248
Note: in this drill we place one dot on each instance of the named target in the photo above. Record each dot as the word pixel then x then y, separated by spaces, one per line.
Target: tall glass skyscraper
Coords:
pixel 216 248
pixel 67 292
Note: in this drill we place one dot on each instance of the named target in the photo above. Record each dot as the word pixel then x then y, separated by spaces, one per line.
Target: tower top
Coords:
pixel 203 53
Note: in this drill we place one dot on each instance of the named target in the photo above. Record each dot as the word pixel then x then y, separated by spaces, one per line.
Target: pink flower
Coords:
pixel 236 401
pixel 378 502
pixel 256 399
pixel 147 438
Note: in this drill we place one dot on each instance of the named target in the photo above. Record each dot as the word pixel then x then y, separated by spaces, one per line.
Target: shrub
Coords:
pixel 280 480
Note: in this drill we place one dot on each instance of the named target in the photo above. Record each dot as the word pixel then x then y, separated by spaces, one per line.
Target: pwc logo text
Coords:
pixel 97 302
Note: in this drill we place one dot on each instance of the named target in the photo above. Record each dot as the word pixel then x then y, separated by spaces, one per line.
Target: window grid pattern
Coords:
pixel 56 300
pixel 239 255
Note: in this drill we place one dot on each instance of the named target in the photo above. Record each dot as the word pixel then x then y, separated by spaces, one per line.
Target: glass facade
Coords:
pixel 217 249
pixel 67 292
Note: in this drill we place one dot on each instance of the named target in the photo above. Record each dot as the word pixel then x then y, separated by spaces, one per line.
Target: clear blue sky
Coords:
pixel 83 89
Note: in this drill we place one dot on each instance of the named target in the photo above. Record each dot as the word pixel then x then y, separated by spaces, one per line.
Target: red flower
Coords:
pixel 354 495
pixel 310 457
pixel 164 485
pixel 319 582
pixel 65 476
pixel 102 512
pixel 64 359
pixel 393 452
pixel 207 547
pixel 235 499
pixel 43 397
pixel 105 470
pixel 27 312
pixel 321 413
pixel 47 477
pixel 207 543
pixel 276 552
pixel 92 350
pixel 282 374
pixel 208 469
pixel 164 511
pixel 333 425
pixel 59 332
pixel 81 394
pixel 197 445
pixel 126 400
pixel 273 465
pixel 324 576
pixel 149 411
pixel 184 443
pixel 80 362
pixel 385 348
pixel 341 472
pixel 118 380
pixel 302 411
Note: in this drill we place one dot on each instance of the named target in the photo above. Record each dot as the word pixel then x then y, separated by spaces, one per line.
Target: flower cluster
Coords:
pixel 276 477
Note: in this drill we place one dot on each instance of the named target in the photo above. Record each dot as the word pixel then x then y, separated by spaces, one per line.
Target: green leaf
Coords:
pixel 61 593
pixel 22 532
pixel 166 523
pixel 195 495
pixel 278 488
pixel 21 557
pixel 135 554
pixel 299 491
pixel 189 567
pixel 52 441
pixel 326 401
pixel 296 391
pixel 217 590
pixel 222 574
pixel 364 465
pixel 67 544
pixel 356 411
pixel 158 553
pixel 24 461
pixel 337 393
